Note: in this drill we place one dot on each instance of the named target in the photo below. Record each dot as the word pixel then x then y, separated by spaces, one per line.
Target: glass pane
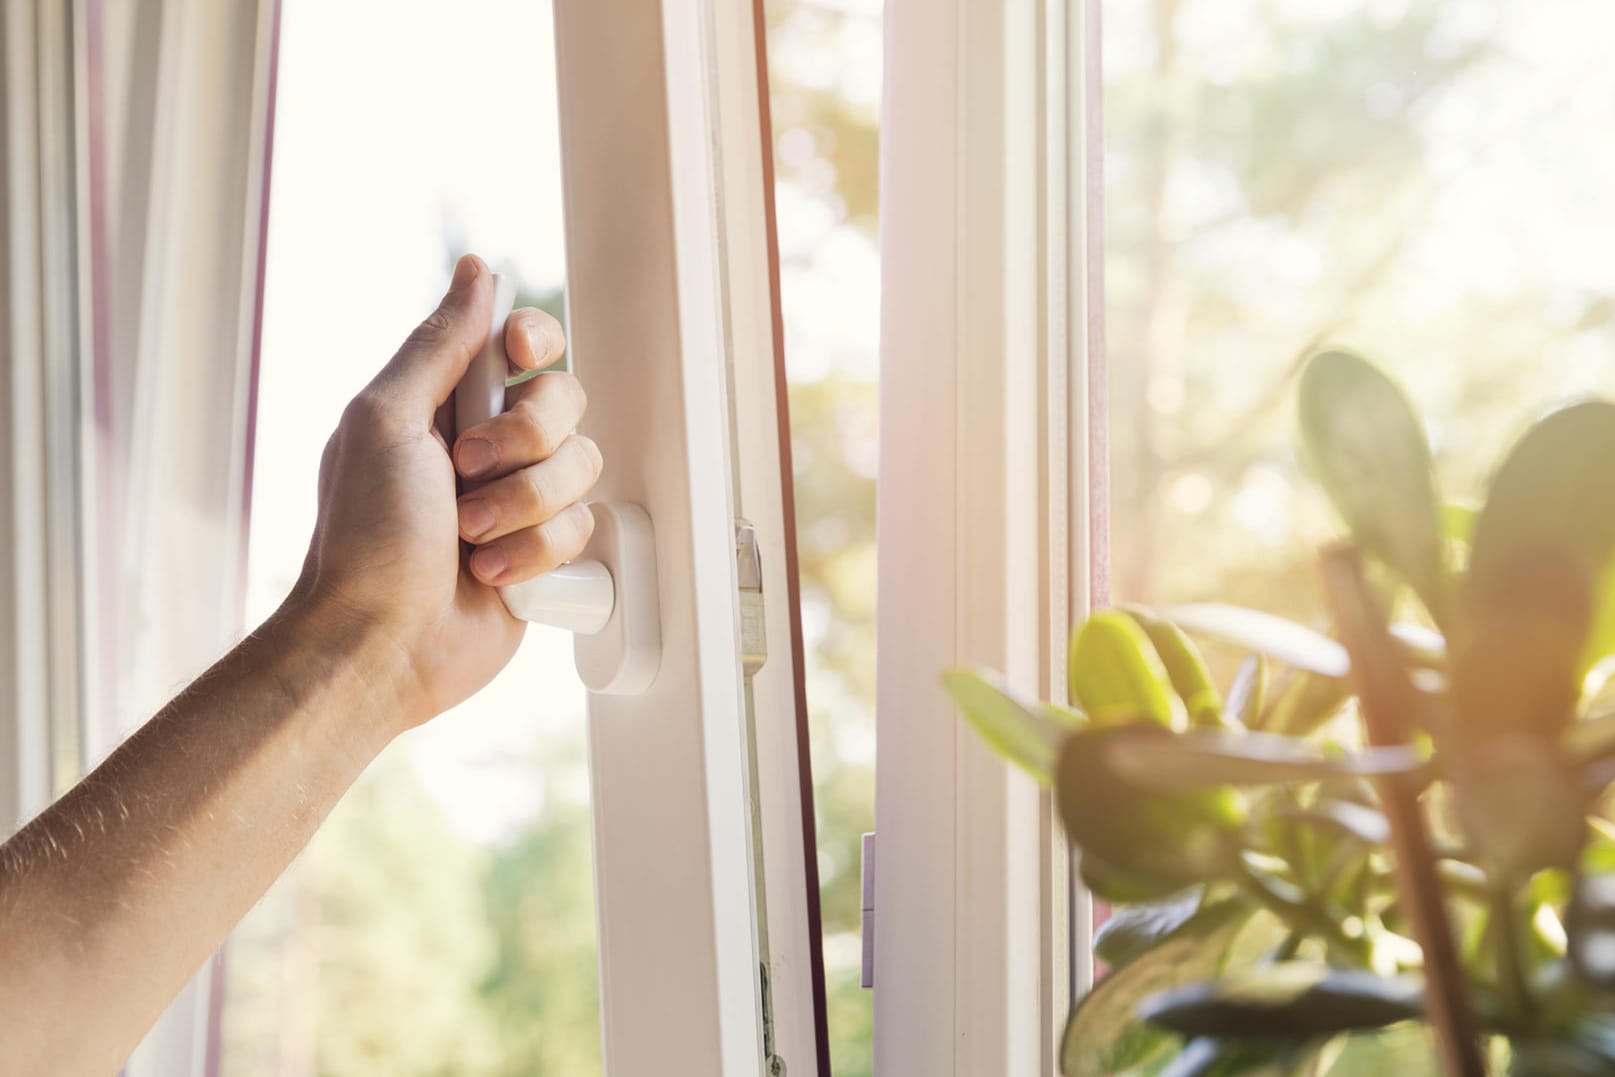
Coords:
pixel 442 920
pixel 825 72
pixel 1424 180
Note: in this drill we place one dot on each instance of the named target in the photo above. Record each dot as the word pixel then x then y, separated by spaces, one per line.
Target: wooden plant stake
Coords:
pixel 1388 701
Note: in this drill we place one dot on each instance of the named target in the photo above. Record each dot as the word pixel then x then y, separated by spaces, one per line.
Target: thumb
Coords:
pixel 427 368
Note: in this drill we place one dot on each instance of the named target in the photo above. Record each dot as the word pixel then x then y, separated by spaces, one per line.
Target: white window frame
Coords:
pixel 668 267
pixel 990 515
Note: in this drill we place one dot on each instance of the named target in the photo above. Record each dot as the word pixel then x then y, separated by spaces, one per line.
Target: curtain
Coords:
pixel 135 184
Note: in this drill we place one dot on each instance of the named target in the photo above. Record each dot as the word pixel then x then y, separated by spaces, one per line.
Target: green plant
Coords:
pixel 1398 820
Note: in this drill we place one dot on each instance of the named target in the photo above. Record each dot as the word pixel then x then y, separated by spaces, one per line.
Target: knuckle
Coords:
pixel 540 488
pixel 435 325
pixel 561 538
pixel 540 434
pixel 591 455
pixel 366 411
pixel 576 525
pixel 569 385
pixel 585 528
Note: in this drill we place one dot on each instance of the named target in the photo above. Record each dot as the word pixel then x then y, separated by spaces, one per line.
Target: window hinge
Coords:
pixel 753 626
pixel 866 917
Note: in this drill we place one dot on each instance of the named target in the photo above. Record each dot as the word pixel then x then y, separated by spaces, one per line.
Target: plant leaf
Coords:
pixel 1304 702
pixel 1132 930
pixel 1199 1058
pixel 1206 757
pixel 1590 926
pixel 1186 670
pixel 1132 885
pixel 1423 647
pixel 1207 1057
pixel 1115 674
pixel 1519 668
pixel 1366 444
pixel 1590 739
pixel 1289 1000
pixel 1293 644
pixel 1246 694
pixel 1518 802
pixel 1553 495
pixel 1365 825
pixel 1586 1049
pixel 1458 521
pixel 1063 717
pixel 1104 1034
pixel 1155 842
pixel 1014 730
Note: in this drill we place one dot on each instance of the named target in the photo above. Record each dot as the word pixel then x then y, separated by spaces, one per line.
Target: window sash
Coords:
pixel 990 511
pixel 667 271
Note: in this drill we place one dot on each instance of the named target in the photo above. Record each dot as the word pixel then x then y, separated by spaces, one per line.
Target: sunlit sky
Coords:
pixel 405 132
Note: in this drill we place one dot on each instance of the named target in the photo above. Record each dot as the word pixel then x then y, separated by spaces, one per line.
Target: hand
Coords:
pixel 386 555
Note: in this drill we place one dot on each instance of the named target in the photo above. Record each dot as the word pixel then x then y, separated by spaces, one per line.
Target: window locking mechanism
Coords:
pixel 609 596
pixel 753 653
pixel 753 626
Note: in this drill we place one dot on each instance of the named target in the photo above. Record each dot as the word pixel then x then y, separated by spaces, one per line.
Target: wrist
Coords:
pixel 366 673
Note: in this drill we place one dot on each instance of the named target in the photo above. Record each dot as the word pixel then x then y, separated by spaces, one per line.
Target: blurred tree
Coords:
pixel 374 961
pixel 542 991
pixel 1279 176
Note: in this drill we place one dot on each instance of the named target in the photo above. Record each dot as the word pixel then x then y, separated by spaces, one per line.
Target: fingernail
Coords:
pixel 489 564
pixel 465 271
pixel 476 457
pixel 475 517
pixel 540 341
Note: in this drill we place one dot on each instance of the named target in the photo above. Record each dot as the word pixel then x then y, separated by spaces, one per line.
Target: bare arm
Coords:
pixel 111 899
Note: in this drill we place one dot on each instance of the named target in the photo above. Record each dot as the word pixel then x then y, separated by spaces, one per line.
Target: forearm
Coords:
pixel 186 824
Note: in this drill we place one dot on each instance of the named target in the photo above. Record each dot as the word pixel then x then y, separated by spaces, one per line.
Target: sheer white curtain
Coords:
pixel 40 597
pixel 136 139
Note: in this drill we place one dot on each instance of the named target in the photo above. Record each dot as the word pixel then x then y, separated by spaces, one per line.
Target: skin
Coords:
pixel 112 898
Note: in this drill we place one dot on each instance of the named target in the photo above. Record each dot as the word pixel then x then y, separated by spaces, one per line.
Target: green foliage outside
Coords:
pixel 395 946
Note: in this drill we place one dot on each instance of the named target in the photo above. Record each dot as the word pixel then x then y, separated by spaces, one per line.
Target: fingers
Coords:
pixel 531 496
pixel 426 369
pixel 543 414
pixel 528 518
pixel 524 554
pixel 533 339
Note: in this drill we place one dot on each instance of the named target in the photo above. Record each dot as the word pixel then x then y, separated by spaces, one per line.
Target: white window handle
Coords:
pixel 608 599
